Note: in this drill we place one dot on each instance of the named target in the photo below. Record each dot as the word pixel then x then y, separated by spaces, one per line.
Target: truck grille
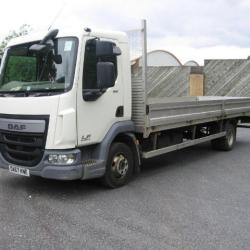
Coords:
pixel 25 148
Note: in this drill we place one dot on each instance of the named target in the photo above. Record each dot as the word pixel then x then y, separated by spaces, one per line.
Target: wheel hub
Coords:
pixel 120 165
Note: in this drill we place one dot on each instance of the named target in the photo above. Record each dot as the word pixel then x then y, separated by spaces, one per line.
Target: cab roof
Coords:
pixel 37 36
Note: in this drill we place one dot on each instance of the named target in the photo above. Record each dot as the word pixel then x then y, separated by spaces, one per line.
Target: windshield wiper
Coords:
pixel 46 93
pixel 26 93
pixel 13 93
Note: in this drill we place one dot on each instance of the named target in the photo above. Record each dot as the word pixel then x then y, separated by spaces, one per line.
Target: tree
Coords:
pixel 23 30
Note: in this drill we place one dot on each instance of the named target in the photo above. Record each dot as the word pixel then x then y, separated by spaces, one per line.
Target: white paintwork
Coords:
pixel 94 119
pixel 36 36
pixel 33 106
pixel 70 116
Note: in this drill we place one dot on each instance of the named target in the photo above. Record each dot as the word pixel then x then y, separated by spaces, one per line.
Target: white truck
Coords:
pixel 69 109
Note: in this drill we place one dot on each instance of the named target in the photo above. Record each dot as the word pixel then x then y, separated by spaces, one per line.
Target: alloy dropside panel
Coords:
pixel 169 113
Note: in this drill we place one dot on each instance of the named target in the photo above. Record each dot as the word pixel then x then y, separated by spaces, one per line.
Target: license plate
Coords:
pixel 19 171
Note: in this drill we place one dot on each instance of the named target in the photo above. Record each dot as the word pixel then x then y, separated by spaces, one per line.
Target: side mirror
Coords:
pixel 105 48
pixel 105 75
pixel 57 59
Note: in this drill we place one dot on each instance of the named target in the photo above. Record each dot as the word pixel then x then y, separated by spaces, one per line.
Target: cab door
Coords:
pixel 98 109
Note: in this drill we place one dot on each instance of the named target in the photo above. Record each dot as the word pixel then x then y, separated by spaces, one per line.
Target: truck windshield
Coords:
pixel 51 71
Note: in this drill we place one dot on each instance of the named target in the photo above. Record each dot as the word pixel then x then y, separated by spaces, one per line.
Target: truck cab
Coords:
pixel 64 96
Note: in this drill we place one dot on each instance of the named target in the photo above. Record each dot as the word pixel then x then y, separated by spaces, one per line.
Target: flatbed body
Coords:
pixel 169 114
pixel 158 114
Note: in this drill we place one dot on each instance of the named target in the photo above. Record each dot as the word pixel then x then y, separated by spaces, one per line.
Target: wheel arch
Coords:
pixel 130 140
pixel 119 132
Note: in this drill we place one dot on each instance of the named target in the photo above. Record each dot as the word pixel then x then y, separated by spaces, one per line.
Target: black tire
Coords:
pixel 227 142
pixel 119 166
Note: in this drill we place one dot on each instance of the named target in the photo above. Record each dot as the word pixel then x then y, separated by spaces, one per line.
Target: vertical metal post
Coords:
pixel 144 72
pixel 144 55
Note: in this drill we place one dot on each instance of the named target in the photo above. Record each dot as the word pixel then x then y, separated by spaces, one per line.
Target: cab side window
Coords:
pixel 90 65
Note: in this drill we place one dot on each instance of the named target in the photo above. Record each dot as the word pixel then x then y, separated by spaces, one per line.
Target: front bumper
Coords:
pixel 82 170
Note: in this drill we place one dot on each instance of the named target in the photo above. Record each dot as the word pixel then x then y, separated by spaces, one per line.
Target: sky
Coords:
pixel 190 29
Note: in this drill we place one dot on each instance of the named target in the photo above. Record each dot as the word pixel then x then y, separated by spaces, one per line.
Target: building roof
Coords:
pixel 191 63
pixel 168 58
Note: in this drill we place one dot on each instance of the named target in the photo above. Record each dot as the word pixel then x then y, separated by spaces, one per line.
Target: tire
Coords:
pixel 119 166
pixel 227 142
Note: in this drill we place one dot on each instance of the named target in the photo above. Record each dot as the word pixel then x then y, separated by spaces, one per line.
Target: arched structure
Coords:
pixel 191 63
pixel 162 58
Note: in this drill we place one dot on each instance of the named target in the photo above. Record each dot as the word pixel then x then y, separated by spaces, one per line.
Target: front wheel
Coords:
pixel 119 166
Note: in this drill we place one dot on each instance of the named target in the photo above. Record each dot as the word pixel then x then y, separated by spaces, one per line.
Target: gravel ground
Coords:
pixel 191 199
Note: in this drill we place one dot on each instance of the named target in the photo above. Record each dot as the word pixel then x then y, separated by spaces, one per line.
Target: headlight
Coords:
pixel 62 159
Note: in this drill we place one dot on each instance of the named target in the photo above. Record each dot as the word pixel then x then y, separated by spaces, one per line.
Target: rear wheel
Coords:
pixel 119 166
pixel 227 142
